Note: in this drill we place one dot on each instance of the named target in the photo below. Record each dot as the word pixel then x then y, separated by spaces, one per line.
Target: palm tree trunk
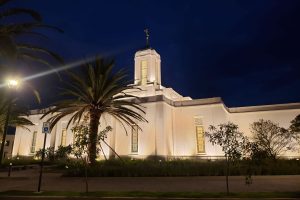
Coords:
pixel 94 123
pixel 5 132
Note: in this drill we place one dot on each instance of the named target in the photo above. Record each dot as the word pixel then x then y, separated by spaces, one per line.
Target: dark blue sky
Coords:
pixel 247 52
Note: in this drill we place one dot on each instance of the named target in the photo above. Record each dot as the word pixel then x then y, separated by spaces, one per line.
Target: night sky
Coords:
pixel 247 52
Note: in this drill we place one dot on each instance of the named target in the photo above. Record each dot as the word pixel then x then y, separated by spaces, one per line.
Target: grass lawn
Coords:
pixel 156 194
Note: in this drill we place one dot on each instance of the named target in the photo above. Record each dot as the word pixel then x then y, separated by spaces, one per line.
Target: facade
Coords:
pixel 175 127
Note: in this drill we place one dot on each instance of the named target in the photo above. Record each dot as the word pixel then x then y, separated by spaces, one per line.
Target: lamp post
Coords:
pixel 46 130
pixel 12 85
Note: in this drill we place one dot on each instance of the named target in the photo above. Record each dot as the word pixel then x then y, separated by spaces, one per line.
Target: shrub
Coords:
pixel 148 168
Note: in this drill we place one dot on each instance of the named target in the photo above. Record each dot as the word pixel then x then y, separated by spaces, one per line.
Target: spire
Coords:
pixel 147 37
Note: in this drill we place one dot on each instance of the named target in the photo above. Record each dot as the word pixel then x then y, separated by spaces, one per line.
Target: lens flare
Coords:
pixel 48 72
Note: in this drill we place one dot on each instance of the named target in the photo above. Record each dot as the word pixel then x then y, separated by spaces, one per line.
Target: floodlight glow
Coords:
pixel 12 83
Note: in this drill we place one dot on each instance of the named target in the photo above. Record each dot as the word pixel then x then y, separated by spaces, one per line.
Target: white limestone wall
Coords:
pixel 23 137
pixel 281 117
pixel 107 120
pixel 153 66
pixel 184 128
pixel 155 138
pixel 146 137
pixel 170 131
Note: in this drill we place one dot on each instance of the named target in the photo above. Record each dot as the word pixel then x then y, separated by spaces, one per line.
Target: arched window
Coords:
pixel 63 137
pixel 144 69
pixel 134 139
pixel 200 139
pixel 200 135
pixel 33 142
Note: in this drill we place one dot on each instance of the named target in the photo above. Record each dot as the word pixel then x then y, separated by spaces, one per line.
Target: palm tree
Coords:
pixel 17 117
pixel 94 91
pixel 12 48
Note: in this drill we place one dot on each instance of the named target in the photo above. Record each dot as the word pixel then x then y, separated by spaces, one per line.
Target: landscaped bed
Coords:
pixel 144 168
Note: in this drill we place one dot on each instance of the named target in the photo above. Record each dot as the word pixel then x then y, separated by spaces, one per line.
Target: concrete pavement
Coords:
pixel 27 180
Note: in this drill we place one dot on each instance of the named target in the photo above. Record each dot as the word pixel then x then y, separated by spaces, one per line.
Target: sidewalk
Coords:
pixel 27 180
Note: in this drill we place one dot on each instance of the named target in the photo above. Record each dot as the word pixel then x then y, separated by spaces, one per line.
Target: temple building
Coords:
pixel 176 124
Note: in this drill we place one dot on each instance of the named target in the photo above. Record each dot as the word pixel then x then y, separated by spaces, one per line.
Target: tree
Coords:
pixel 16 44
pixel 17 118
pixel 233 142
pixel 80 147
pixel 295 128
pixel 271 138
pixel 12 48
pixel 96 90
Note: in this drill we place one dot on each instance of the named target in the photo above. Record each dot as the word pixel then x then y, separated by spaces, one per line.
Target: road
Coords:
pixel 27 180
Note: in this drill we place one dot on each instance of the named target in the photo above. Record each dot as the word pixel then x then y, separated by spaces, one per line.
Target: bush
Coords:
pixel 51 155
pixel 147 168
pixel 20 160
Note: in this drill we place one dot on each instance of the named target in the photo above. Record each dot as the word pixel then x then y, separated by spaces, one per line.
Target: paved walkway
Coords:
pixel 28 180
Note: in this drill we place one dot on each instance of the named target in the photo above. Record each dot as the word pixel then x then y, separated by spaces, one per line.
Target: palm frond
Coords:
pixel 3 2
pixel 29 47
pixel 16 11
pixel 96 90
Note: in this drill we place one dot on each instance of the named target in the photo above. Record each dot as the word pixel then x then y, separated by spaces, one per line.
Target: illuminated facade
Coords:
pixel 176 124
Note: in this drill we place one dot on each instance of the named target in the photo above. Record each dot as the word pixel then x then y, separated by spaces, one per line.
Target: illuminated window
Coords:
pixel 134 139
pixel 33 142
pixel 200 139
pixel 63 137
pixel 144 72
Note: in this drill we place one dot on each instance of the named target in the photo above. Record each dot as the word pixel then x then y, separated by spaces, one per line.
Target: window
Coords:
pixel 144 72
pixel 134 139
pixel 63 137
pixel 33 142
pixel 200 139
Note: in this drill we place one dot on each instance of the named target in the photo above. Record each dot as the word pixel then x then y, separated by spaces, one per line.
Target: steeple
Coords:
pixel 147 65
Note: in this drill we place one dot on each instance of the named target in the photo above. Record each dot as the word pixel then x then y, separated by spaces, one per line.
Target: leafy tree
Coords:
pixel 94 91
pixel 295 128
pixel 80 148
pixel 233 142
pixel 63 152
pixel 49 153
pixel 271 138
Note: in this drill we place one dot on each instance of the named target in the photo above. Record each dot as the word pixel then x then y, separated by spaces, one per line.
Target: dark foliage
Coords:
pixel 149 168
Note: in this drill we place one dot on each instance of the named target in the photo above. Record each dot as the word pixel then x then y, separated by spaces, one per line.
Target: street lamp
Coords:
pixel 12 84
